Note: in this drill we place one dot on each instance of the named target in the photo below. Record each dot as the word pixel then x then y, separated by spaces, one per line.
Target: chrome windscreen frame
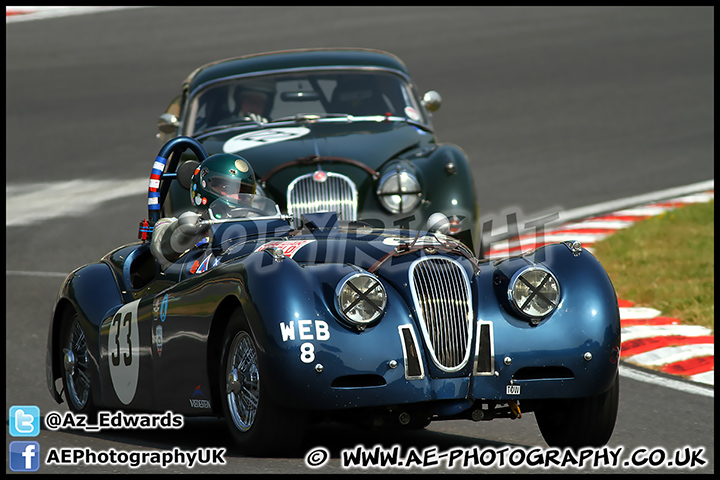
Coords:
pixel 190 104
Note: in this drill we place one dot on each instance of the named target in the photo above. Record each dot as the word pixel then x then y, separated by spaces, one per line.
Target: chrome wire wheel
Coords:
pixel 242 384
pixel 76 366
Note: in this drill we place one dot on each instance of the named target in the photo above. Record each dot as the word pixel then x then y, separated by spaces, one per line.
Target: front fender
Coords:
pixel 576 347
pixel 447 186
pixel 91 291
pixel 314 360
pixel 317 361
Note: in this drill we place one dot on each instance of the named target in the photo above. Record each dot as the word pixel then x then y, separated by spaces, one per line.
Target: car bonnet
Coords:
pixel 371 143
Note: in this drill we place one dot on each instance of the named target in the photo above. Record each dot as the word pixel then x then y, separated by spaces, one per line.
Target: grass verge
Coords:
pixel 666 262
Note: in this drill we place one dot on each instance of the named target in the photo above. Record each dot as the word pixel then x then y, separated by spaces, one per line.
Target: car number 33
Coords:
pixel 123 352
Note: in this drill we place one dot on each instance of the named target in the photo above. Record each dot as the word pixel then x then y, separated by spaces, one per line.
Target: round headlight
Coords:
pixel 399 192
pixel 361 298
pixel 534 292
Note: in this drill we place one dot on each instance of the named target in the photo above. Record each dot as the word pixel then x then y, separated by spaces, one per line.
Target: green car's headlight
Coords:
pixel 534 292
pixel 399 191
pixel 360 298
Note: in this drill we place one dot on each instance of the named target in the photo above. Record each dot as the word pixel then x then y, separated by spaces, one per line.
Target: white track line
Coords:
pixel 647 377
pixel 31 203
pixel 41 12
pixel 705 377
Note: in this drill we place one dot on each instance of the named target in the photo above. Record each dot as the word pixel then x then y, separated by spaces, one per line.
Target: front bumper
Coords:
pixel 380 369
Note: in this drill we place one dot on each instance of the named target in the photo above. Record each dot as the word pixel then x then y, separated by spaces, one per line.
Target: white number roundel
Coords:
pixel 263 137
pixel 124 351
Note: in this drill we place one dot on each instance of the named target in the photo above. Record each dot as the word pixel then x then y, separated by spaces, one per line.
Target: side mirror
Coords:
pixel 432 101
pixel 168 123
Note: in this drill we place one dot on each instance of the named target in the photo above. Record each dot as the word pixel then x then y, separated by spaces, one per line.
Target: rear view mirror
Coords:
pixel 299 96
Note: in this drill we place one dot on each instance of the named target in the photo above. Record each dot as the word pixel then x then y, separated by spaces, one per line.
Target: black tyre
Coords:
pixel 76 366
pixel 257 424
pixel 580 422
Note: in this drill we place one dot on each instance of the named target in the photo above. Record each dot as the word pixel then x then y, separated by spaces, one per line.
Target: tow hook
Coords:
pixel 515 408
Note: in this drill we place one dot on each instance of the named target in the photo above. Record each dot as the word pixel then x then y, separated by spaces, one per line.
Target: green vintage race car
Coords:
pixel 340 130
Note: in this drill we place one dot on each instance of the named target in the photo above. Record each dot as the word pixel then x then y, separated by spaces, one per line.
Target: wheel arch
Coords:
pixel 63 309
pixel 63 313
pixel 215 342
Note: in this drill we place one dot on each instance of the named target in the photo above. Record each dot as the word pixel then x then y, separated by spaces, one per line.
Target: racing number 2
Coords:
pixel 124 351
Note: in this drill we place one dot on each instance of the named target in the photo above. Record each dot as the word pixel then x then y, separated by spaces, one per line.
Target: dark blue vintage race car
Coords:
pixel 338 129
pixel 279 321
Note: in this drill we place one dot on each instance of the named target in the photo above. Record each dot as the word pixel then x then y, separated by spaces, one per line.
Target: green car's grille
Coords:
pixel 322 192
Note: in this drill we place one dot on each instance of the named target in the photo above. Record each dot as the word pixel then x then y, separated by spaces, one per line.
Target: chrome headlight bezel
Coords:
pixel 534 292
pixel 364 290
pixel 399 191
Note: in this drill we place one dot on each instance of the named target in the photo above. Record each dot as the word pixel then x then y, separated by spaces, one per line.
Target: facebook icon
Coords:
pixel 24 456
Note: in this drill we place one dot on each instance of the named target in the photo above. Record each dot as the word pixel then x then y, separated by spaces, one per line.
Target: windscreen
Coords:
pixel 274 97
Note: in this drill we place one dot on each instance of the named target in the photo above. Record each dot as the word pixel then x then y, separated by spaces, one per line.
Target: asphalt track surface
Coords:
pixel 557 108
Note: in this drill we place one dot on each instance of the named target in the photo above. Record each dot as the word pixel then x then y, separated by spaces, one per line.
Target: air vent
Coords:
pixel 358 381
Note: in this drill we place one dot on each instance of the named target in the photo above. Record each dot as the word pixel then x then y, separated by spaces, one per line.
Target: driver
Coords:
pixel 222 175
pixel 253 100
pixel 251 104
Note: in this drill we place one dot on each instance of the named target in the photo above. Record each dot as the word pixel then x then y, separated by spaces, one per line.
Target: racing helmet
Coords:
pixel 222 175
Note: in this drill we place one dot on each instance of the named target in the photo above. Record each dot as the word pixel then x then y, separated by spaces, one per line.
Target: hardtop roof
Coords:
pixel 292 59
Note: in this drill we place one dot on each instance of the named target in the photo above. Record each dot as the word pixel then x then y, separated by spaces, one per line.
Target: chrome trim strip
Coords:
pixel 250 126
pixel 444 307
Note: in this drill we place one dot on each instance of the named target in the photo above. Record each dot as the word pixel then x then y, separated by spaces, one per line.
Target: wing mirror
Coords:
pixel 432 101
pixel 168 123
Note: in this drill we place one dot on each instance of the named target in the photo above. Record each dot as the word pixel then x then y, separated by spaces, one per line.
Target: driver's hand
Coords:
pixel 256 118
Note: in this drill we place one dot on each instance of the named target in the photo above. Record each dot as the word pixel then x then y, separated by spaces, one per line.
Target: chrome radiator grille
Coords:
pixel 322 192
pixel 441 293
